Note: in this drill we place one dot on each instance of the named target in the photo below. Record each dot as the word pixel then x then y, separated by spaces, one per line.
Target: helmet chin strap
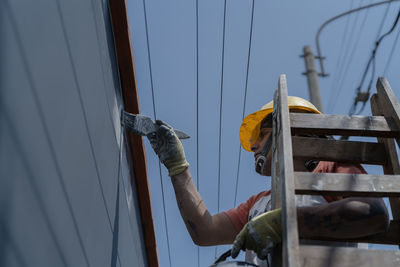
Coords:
pixel 262 159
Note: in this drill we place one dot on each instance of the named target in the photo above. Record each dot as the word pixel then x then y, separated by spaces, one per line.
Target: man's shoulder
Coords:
pixel 253 199
pixel 263 194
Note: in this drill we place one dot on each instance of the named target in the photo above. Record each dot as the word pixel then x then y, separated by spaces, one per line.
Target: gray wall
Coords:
pixel 65 193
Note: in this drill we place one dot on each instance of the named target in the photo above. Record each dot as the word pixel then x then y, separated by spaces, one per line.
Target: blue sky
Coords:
pixel 280 30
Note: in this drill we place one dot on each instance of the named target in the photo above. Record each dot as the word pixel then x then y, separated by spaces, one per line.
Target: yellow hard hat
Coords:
pixel 250 128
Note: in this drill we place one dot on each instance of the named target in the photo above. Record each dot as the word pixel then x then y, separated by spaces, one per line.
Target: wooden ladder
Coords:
pixel 385 125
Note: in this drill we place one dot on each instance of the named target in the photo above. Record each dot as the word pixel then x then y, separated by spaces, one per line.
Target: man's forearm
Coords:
pixel 191 206
pixel 347 218
pixel 204 228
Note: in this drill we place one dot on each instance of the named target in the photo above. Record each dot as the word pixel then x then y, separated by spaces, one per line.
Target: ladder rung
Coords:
pixel 317 256
pixel 339 151
pixel 341 184
pixel 390 237
pixel 375 126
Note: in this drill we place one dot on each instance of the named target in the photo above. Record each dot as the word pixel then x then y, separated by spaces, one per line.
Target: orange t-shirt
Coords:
pixel 239 215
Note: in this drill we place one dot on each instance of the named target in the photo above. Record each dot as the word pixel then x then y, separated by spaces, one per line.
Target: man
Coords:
pixel 257 225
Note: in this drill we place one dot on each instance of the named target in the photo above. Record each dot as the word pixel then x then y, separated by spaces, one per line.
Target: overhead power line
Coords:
pixel 363 96
pixel 155 118
pixel 197 112
pixel 340 58
pixel 336 87
pixel 337 17
pixel 220 106
pixel 245 97
pixel 345 72
pixel 220 115
pixel 389 60
pixel 383 21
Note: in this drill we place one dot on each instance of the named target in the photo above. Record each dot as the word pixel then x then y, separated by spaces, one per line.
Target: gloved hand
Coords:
pixel 258 234
pixel 169 148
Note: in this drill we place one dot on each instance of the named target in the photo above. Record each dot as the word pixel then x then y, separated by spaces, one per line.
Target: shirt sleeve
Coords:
pixel 240 214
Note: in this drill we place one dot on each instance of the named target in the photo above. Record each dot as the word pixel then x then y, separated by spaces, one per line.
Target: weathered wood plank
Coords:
pixel 275 182
pixel 341 184
pixel 339 151
pixel 290 245
pixel 389 104
pixel 392 166
pixel 275 179
pixel 317 256
pixel 324 124
pixel 390 237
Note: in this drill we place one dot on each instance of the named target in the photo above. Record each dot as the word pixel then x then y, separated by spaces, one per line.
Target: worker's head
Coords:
pixel 257 127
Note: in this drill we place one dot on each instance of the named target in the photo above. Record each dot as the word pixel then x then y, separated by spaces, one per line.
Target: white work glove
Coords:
pixel 259 234
pixel 169 148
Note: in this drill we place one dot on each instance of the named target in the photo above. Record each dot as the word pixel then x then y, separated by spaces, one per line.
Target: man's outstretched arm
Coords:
pixel 347 218
pixel 204 228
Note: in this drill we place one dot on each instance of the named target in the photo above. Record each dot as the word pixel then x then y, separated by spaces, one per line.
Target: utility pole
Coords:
pixel 312 77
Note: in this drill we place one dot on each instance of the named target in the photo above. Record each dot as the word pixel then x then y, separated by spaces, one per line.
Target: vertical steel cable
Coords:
pixel 340 57
pixel 353 28
pixel 220 114
pixel 389 60
pixel 197 111
pixel 155 118
pixel 197 95
pixel 378 34
pixel 220 107
pixel 245 98
pixel 371 60
pixel 350 59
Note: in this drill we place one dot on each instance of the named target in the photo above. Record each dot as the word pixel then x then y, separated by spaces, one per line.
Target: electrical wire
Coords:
pixel 382 21
pixel 340 57
pixel 371 61
pixel 336 82
pixel 389 60
pixel 220 115
pixel 220 107
pixel 341 61
pixel 351 56
pixel 197 112
pixel 319 54
pixel 245 97
pixel 155 118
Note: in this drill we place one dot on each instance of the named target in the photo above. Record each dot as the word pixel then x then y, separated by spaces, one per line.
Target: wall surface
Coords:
pixel 65 187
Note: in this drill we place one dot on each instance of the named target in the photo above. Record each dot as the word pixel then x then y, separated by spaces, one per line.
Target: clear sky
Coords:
pixel 280 30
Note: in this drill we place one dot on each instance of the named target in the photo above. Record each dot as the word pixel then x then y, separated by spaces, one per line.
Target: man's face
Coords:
pixel 258 148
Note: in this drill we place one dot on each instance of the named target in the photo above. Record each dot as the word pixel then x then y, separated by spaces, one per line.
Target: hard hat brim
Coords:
pixel 250 128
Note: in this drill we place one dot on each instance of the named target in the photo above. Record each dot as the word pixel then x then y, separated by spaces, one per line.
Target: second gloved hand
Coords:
pixel 259 233
pixel 169 148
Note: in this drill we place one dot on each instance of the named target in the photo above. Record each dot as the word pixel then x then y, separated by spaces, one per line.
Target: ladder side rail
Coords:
pixel 290 244
pixel 392 167
pixel 276 201
pixel 388 104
